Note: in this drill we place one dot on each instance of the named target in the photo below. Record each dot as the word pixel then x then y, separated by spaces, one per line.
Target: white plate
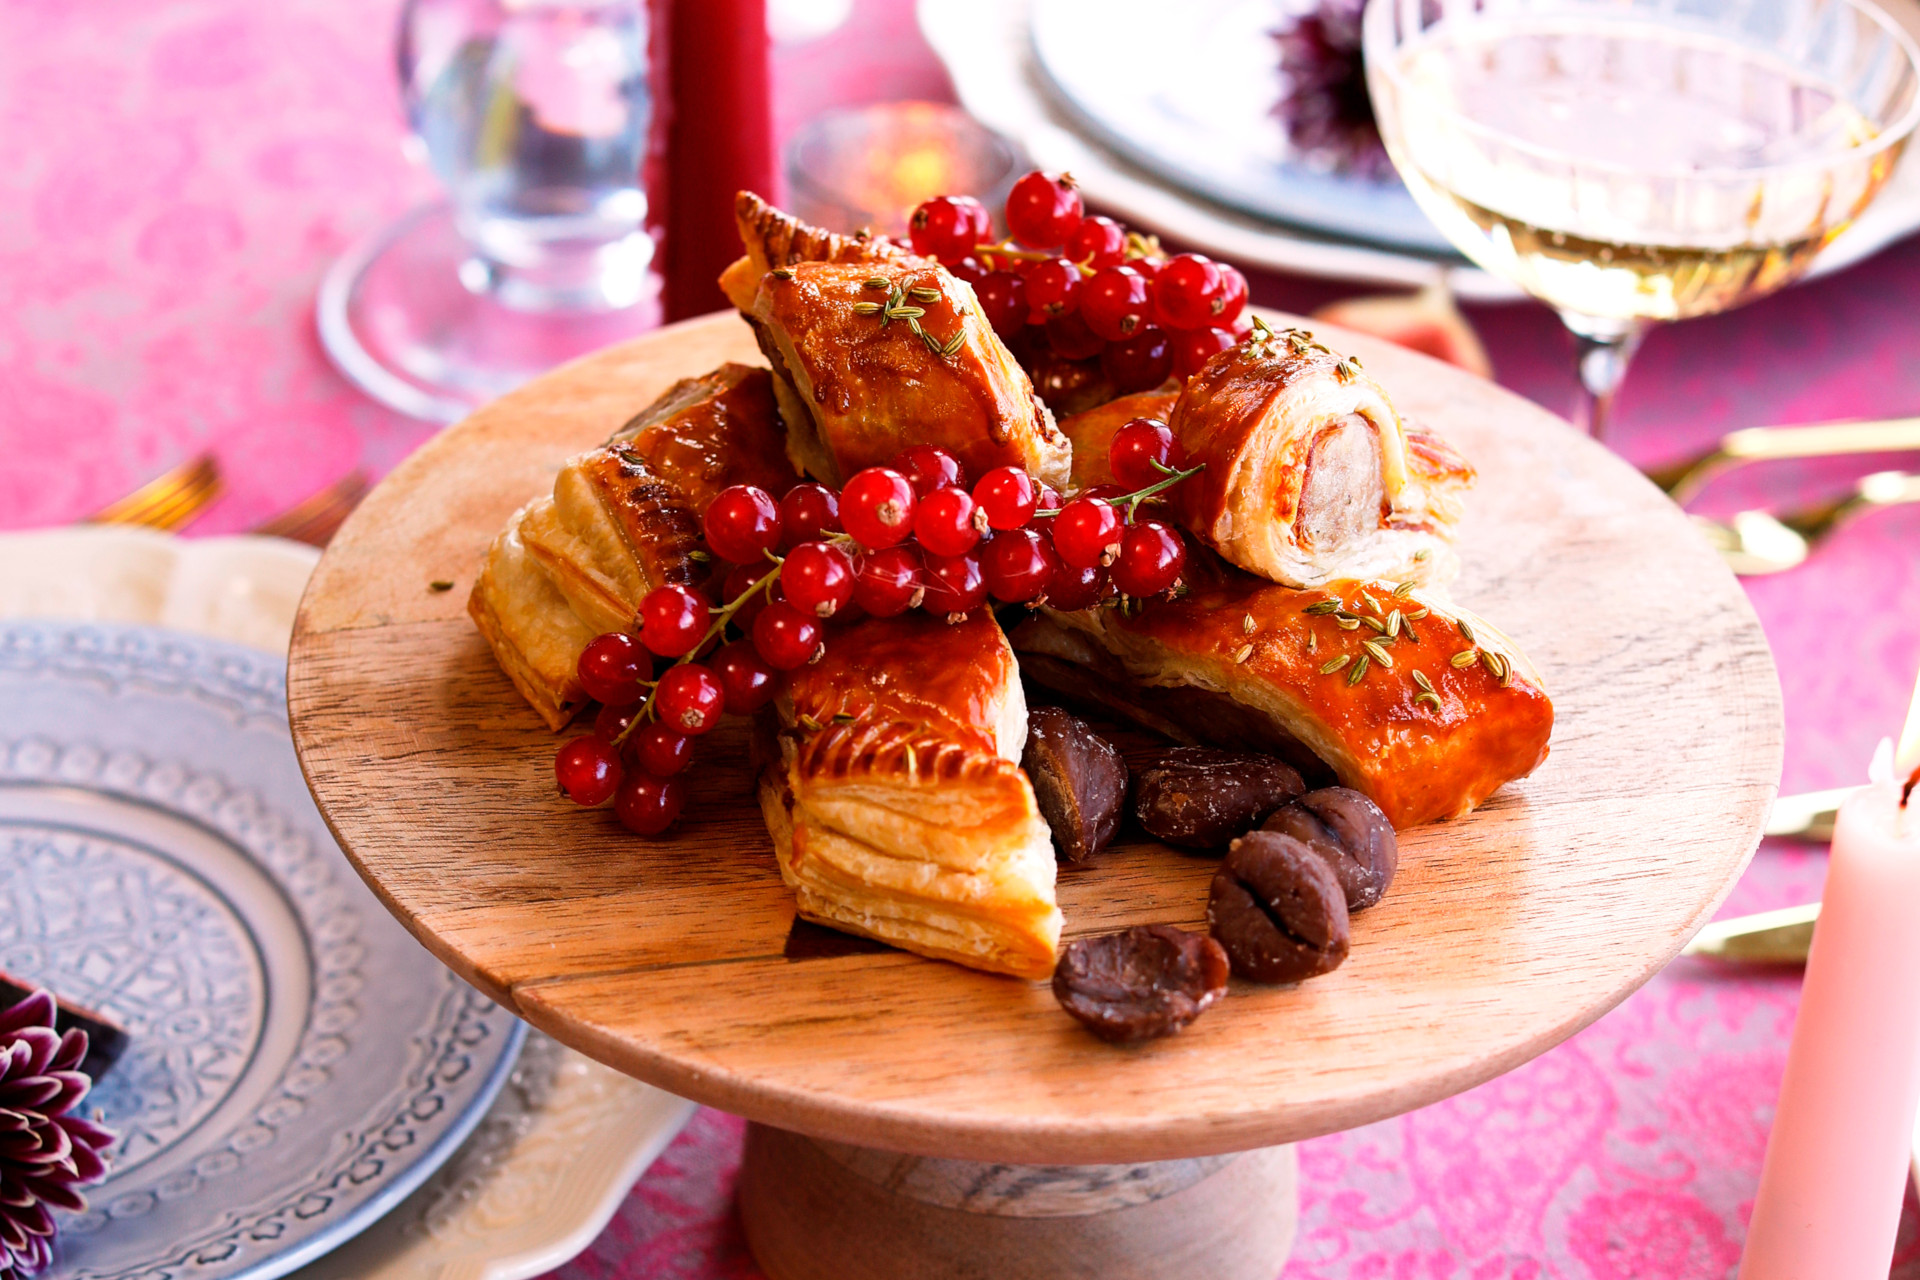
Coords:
pixel 566 1138
pixel 987 46
pixel 1195 105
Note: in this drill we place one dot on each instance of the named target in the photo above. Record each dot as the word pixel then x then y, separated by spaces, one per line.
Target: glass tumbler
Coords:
pixel 538 117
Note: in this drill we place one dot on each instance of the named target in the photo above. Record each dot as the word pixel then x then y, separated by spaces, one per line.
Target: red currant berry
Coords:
pixel 1019 565
pixel 1043 210
pixel 876 507
pixel 1008 496
pixel 673 618
pixel 808 512
pixel 610 722
pixel 740 580
pixel 1003 296
pixel 1070 338
pixel 1148 267
pixel 1104 492
pixel 587 770
pixel 955 584
pixel 929 467
pixel 1194 347
pixel 647 805
pixel 1097 242
pixel 1141 453
pixel 1139 363
pixel 1151 558
pixel 611 668
pixel 970 269
pixel 1188 291
pixel 785 637
pixel 1048 498
pixel 749 682
pixel 742 522
pixel 1116 302
pixel 818 578
pixel 889 581
pixel 660 749
pixel 948 227
pixel 1075 588
pixel 1052 287
pixel 689 698
pixel 1087 532
pixel 1233 296
pixel 948 523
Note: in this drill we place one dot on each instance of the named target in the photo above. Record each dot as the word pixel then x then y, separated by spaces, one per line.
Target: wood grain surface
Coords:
pixel 1505 933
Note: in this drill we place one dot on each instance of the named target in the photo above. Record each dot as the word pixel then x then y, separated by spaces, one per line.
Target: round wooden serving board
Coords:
pixel 677 960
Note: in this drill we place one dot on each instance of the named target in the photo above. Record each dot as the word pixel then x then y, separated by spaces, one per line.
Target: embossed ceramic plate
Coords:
pixel 298 1063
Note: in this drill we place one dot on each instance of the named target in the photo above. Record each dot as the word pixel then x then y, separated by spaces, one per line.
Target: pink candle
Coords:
pixel 1836 1167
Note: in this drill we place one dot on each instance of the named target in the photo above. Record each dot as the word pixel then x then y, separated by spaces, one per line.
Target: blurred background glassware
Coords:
pixel 538 116
pixel 1643 161
pixel 857 167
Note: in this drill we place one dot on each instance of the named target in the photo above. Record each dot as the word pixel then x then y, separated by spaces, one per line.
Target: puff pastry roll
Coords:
pixel 875 349
pixel 1091 432
pixel 621 520
pixel 774 238
pixel 874 356
pixel 895 802
pixel 1310 474
pixel 1422 706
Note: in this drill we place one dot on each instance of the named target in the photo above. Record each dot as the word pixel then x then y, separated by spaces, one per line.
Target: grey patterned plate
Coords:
pixel 298 1064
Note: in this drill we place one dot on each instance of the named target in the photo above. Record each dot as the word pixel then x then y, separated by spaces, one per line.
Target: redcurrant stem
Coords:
pixel 1133 500
pixel 1005 249
pixel 723 615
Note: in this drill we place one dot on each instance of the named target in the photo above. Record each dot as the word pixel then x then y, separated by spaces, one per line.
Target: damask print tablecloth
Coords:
pixel 178 176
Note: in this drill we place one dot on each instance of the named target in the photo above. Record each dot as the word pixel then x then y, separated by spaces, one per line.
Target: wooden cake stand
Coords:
pixel 958 1124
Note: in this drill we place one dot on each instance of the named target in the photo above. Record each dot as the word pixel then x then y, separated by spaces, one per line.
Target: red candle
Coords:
pixel 720 141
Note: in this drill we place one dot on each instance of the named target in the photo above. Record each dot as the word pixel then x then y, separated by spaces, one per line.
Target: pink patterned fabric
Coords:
pixel 179 175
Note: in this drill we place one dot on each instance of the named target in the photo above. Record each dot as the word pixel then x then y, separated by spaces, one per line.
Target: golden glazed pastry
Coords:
pixel 874 349
pixel 1243 663
pixel 622 520
pixel 895 802
pixel 1310 474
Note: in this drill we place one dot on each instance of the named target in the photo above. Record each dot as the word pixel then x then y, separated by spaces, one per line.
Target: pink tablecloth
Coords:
pixel 177 177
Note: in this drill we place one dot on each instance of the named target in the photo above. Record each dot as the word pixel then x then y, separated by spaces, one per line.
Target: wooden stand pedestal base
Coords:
pixel 816 1210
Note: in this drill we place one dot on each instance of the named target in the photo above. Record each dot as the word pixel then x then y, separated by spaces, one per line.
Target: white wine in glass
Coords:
pixel 1629 161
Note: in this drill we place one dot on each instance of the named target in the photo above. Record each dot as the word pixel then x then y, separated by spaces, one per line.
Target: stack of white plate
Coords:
pixel 1164 114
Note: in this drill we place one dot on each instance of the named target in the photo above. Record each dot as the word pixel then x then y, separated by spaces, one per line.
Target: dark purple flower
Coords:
pixel 1323 99
pixel 47 1153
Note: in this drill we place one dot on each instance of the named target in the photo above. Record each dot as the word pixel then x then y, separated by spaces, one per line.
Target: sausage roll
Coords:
pixel 1091 432
pixel 1422 706
pixel 621 520
pixel 1310 474
pixel 895 802
pixel 875 349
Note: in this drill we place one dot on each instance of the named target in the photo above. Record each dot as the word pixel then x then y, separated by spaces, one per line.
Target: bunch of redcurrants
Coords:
pixel 1082 286
pixel 911 534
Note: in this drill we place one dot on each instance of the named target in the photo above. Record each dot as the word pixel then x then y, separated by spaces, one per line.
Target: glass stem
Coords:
pixel 1602 350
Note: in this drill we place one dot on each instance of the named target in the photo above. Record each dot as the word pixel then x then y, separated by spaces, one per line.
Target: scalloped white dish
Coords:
pixel 565 1138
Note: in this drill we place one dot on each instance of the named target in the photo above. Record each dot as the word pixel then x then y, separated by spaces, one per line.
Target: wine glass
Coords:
pixel 1632 161
pixel 537 115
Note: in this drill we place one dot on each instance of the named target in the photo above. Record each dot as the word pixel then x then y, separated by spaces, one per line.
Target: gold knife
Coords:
pixel 1782 937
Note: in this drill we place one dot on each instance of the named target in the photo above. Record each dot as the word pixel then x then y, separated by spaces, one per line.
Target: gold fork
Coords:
pixel 1683 479
pixel 168 500
pixel 317 519
pixel 1755 542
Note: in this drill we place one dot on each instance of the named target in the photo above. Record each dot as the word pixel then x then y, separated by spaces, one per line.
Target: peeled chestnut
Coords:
pixel 1350 833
